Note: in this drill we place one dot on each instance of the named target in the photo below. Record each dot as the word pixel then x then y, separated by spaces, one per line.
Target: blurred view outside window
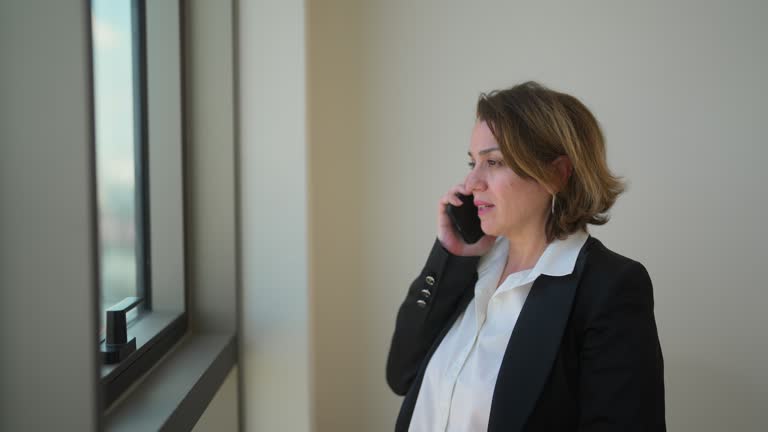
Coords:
pixel 114 57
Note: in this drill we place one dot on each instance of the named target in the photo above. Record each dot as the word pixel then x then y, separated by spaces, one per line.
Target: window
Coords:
pixel 119 151
pixel 137 112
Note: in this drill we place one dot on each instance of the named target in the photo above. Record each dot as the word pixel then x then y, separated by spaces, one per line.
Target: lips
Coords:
pixel 483 207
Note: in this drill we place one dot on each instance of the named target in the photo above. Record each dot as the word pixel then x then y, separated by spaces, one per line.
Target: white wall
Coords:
pixel 273 192
pixel 211 157
pixel 48 265
pixel 212 205
pixel 678 87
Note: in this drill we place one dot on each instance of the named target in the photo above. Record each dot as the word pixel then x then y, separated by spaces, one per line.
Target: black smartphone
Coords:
pixel 465 219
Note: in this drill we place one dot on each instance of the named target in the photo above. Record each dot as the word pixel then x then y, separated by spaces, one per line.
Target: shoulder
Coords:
pixel 597 255
pixel 603 264
pixel 608 278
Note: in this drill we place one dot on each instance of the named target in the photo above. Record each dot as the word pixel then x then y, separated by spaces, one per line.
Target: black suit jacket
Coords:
pixel 584 354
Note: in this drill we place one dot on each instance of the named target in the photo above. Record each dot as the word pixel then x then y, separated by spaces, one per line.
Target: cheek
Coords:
pixel 522 199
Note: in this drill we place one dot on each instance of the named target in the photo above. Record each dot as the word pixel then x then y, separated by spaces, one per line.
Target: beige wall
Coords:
pixel 221 413
pixel 678 87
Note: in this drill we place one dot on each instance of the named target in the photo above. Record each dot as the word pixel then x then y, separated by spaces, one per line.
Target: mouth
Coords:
pixel 483 207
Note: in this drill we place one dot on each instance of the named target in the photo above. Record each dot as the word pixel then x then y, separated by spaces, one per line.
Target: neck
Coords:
pixel 525 250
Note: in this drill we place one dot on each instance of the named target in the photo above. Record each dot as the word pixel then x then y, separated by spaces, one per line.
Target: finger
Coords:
pixel 458 189
pixel 450 198
pixel 463 190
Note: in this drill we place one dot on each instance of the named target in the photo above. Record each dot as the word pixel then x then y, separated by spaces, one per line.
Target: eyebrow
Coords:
pixel 484 151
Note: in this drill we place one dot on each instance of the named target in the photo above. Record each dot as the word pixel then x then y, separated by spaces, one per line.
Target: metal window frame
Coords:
pixel 156 331
pixel 141 153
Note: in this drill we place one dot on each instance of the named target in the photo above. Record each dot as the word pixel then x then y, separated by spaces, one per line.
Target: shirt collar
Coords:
pixel 558 259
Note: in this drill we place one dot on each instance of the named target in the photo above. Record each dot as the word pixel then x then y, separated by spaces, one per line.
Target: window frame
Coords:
pixel 157 35
pixel 141 157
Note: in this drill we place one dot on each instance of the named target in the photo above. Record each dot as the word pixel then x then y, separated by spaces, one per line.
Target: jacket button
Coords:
pixel 430 280
pixel 421 303
pixel 426 293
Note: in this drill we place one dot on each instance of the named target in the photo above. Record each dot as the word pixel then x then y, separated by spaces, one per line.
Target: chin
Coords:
pixel 489 228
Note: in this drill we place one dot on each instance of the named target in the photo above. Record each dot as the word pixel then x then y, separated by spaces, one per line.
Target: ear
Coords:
pixel 564 169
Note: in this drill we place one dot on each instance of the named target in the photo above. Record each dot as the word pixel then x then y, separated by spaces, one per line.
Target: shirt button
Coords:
pixel 421 303
pixel 426 293
pixel 430 280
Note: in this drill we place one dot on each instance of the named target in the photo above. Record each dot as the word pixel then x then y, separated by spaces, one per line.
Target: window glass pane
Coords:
pixel 113 66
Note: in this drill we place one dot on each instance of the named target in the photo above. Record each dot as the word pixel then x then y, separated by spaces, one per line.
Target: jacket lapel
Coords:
pixel 532 347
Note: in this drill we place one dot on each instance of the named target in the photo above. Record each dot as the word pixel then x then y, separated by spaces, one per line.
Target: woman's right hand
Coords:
pixel 446 233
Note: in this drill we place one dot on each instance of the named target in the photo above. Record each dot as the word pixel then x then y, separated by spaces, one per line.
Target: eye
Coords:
pixel 471 164
pixel 494 162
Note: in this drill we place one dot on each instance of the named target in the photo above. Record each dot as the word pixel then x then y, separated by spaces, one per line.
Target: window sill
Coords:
pixel 174 394
pixel 147 330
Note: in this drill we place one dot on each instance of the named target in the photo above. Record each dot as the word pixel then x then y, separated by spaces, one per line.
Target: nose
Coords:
pixel 474 181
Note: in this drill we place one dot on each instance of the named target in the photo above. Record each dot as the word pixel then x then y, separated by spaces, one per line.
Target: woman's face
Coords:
pixel 508 205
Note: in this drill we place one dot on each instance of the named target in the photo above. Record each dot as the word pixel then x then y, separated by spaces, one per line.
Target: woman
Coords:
pixel 537 326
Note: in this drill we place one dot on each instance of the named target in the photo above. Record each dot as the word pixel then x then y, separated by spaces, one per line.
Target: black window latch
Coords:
pixel 117 346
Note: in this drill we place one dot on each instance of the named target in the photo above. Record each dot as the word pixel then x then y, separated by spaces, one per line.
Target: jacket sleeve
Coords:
pixel 429 303
pixel 622 369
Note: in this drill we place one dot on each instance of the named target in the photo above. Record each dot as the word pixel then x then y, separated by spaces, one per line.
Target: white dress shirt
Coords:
pixel 458 384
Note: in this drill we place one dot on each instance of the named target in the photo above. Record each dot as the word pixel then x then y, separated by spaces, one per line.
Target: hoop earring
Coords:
pixel 553 204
